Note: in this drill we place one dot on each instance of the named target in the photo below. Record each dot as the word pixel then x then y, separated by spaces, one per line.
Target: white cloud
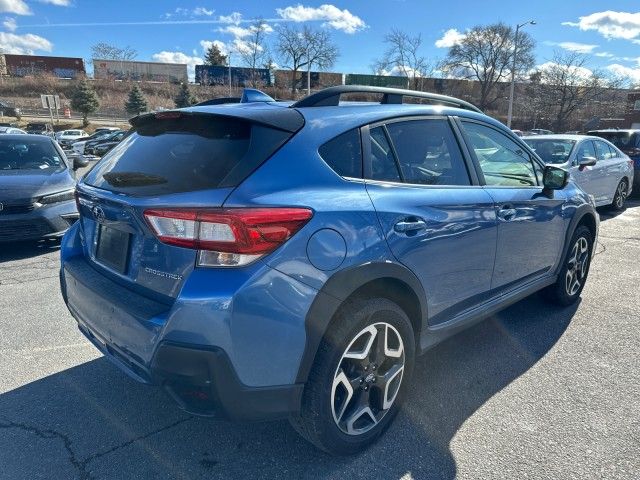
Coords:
pixel 332 16
pixel 10 24
pixel 610 24
pixel 26 44
pixel 187 12
pixel 632 74
pixel 574 46
pixel 19 7
pixel 59 3
pixel 179 57
pixel 580 74
pixel 604 54
pixel 202 11
pixel 234 18
pixel 398 71
pixel 206 45
pixel 450 38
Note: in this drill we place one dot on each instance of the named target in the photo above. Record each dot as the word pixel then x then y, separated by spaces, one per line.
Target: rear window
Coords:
pixel 193 152
pixel 622 140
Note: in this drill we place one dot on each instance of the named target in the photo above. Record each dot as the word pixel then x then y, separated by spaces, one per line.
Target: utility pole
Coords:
pixel 513 70
pixel 229 63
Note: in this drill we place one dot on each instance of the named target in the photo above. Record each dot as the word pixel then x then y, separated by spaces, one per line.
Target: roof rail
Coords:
pixel 331 97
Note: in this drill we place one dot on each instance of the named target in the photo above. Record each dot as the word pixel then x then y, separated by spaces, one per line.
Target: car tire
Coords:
pixel 620 196
pixel 348 401
pixel 575 269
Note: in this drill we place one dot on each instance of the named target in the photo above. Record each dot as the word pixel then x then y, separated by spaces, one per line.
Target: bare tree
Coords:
pixel 321 52
pixel 105 51
pixel 403 56
pixel 292 52
pixel 253 49
pixel 565 86
pixel 304 49
pixel 485 54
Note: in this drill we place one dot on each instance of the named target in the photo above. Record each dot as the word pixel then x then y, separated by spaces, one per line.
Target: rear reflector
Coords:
pixel 227 237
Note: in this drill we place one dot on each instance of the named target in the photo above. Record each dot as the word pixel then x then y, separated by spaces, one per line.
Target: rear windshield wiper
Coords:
pixel 132 179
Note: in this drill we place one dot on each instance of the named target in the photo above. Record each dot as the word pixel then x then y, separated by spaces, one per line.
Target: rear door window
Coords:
pixel 428 152
pixel 193 152
pixel 383 161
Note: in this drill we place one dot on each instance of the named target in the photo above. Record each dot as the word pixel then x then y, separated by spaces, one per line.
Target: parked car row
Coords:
pixel 337 240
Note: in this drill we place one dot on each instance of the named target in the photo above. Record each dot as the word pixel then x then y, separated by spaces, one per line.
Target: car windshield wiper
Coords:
pixel 132 179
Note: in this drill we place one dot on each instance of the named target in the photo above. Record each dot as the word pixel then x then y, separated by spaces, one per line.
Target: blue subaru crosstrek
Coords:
pixel 270 260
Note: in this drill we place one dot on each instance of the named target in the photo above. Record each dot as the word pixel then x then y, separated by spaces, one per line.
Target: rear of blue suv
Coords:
pixel 262 260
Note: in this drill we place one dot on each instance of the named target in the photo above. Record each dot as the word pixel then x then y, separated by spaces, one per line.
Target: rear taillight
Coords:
pixel 227 237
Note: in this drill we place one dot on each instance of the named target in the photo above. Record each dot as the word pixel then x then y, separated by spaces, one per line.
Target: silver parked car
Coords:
pixel 596 165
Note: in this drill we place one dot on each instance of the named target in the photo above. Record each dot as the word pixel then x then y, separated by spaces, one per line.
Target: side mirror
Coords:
pixel 584 162
pixel 79 162
pixel 554 178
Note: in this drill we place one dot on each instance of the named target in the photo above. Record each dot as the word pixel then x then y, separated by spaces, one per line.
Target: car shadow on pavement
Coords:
pixel 607 213
pixel 92 421
pixel 28 249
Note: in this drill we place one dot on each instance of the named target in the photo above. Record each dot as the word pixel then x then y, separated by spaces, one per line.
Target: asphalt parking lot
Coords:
pixel 533 392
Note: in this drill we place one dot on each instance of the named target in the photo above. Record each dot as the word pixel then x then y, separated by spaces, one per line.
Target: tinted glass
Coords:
pixel 551 151
pixel 344 154
pixel 383 163
pixel 585 149
pixel 621 140
pixel 29 155
pixel 502 160
pixel 185 154
pixel 428 152
pixel 602 151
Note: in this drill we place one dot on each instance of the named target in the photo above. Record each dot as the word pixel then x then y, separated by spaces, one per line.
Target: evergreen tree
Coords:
pixel 214 56
pixel 184 97
pixel 84 100
pixel 136 103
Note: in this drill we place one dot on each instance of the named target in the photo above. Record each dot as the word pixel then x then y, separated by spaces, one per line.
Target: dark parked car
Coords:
pixel 40 128
pixel 629 142
pixel 36 189
pixel 91 147
pixel 266 259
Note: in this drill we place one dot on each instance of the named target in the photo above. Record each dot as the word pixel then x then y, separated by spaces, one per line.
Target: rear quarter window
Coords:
pixel 193 152
pixel 344 154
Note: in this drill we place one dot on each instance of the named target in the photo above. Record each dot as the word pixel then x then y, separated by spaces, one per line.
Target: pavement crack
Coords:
pixel 48 433
pixel 134 440
pixel 82 465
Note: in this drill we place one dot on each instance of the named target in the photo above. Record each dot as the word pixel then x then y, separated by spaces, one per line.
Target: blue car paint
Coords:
pixel 258 314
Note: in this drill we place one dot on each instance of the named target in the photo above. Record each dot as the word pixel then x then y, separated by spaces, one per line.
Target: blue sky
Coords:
pixel 164 30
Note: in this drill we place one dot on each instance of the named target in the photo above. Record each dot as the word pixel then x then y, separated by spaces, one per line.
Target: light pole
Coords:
pixel 513 70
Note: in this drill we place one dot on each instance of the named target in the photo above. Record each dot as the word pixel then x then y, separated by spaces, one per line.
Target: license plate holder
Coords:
pixel 112 249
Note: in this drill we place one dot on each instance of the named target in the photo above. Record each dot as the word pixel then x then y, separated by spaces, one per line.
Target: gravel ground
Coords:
pixel 533 392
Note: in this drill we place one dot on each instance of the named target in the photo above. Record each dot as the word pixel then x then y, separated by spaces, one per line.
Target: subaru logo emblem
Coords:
pixel 98 213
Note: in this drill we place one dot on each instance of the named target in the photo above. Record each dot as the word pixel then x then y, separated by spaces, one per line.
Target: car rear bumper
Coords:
pixel 211 355
pixel 41 223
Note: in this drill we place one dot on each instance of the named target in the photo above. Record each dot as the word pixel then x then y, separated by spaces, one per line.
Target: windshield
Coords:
pixel 551 150
pixel 72 132
pixel 621 140
pixel 29 155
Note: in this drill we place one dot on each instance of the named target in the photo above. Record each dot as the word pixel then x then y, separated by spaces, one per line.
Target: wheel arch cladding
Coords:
pixel 389 280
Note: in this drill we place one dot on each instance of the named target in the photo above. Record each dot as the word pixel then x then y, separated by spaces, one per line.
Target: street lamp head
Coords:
pixel 532 22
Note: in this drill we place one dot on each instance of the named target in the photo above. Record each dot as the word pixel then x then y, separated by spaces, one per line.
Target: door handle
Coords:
pixel 410 225
pixel 507 213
